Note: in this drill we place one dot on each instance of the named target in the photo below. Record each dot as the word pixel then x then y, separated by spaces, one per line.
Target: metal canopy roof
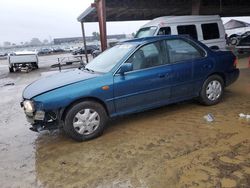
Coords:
pixel 127 10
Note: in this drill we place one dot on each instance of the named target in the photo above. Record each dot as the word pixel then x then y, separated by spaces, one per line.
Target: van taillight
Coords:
pixel 235 62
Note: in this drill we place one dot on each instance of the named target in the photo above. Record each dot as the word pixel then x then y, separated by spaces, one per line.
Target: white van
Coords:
pixel 207 29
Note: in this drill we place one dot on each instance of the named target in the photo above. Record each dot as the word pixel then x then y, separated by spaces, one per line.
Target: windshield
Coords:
pixel 109 58
pixel 146 32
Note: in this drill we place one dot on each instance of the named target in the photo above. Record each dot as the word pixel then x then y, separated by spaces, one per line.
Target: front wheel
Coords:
pixel 212 90
pixel 85 120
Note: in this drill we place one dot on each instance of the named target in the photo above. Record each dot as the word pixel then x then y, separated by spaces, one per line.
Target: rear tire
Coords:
pixel 35 65
pixel 85 120
pixel 212 90
pixel 11 69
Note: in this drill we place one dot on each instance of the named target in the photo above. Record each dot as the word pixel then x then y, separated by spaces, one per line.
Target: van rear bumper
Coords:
pixel 231 77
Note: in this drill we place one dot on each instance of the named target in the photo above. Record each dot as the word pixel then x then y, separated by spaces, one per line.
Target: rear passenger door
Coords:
pixel 182 56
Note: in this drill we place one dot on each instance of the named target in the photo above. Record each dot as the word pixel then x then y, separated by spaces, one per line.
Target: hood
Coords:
pixel 55 81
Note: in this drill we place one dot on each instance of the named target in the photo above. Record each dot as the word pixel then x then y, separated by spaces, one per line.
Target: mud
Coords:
pixel 172 146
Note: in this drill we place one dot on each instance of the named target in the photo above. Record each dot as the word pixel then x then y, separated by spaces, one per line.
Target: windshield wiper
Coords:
pixel 84 68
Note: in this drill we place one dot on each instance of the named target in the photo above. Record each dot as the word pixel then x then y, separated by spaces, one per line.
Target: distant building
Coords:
pixel 88 39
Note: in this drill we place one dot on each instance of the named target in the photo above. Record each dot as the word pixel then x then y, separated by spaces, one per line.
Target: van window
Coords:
pixel 180 50
pixel 210 31
pixel 187 30
pixel 164 31
pixel 146 32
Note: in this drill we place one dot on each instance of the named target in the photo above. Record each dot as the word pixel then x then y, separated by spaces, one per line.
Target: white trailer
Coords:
pixel 19 60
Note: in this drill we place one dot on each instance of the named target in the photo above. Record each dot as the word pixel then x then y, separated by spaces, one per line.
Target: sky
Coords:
pixel 21 20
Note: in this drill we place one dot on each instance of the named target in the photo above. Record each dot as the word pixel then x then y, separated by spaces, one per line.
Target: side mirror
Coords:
pixel 126 67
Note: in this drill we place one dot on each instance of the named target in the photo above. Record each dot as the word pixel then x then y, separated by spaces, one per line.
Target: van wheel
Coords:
pixel 212 90
pixel 85 120
pixel 11 69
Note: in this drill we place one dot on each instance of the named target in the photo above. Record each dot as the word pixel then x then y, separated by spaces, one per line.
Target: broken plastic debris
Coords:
pixel 209 117
pixel 9 84
pixel 247 116
pixel 242 115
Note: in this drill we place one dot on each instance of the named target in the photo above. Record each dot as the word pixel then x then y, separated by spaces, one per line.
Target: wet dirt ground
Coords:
pixel 172 146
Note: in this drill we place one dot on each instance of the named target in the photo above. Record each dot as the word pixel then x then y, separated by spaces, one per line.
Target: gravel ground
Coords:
pixel 172 146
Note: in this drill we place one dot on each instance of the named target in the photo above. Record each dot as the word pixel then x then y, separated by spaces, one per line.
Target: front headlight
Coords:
pixel 28 106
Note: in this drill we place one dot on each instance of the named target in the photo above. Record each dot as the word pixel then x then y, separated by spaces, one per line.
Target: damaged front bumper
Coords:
pixel 42 120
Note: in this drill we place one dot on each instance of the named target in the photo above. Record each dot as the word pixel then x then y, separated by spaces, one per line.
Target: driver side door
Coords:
pixel 148 84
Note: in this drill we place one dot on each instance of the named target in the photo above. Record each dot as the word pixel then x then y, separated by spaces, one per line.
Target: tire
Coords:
pixel 212 90
pixel 34 65
pixel 234 41
pixel 81 121
pixel 11 69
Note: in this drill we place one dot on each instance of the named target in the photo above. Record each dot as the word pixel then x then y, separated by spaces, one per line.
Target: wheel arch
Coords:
pixel 222 75
pixel 92 99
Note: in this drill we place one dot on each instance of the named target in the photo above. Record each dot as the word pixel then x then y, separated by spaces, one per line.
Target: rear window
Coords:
pixel 187 30
pixel 210 31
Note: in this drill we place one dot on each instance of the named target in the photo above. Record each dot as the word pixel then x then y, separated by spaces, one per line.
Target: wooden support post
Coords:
pixel 101 12
pixel 196 7
pixel 84 42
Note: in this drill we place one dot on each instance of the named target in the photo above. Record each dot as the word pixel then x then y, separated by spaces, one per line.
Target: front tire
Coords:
pixel 212 90
pixel 85 120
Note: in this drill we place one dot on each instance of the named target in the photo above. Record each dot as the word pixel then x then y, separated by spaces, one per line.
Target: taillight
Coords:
pixel 235 62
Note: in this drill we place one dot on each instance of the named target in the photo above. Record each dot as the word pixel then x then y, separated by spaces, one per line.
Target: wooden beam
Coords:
pixel 196 7
pixel 84 42
pixel 101 12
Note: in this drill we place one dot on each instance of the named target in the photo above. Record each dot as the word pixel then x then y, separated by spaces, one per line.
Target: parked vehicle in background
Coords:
pixel 45 51
pixel 207 29
pixel 90 49
pixel 130 77
pixel 3 55
pixel 18 60
pixel 236 39
pixel 58 50
pixel 95 53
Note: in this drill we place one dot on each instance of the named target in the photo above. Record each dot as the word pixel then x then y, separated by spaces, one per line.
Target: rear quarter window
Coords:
pixel 210 31
pixel 180 50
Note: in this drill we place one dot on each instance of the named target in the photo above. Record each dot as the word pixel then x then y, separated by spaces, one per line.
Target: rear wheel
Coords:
pixel 35 65
pixel 212 90
pixel 85 120
pixel 11 69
